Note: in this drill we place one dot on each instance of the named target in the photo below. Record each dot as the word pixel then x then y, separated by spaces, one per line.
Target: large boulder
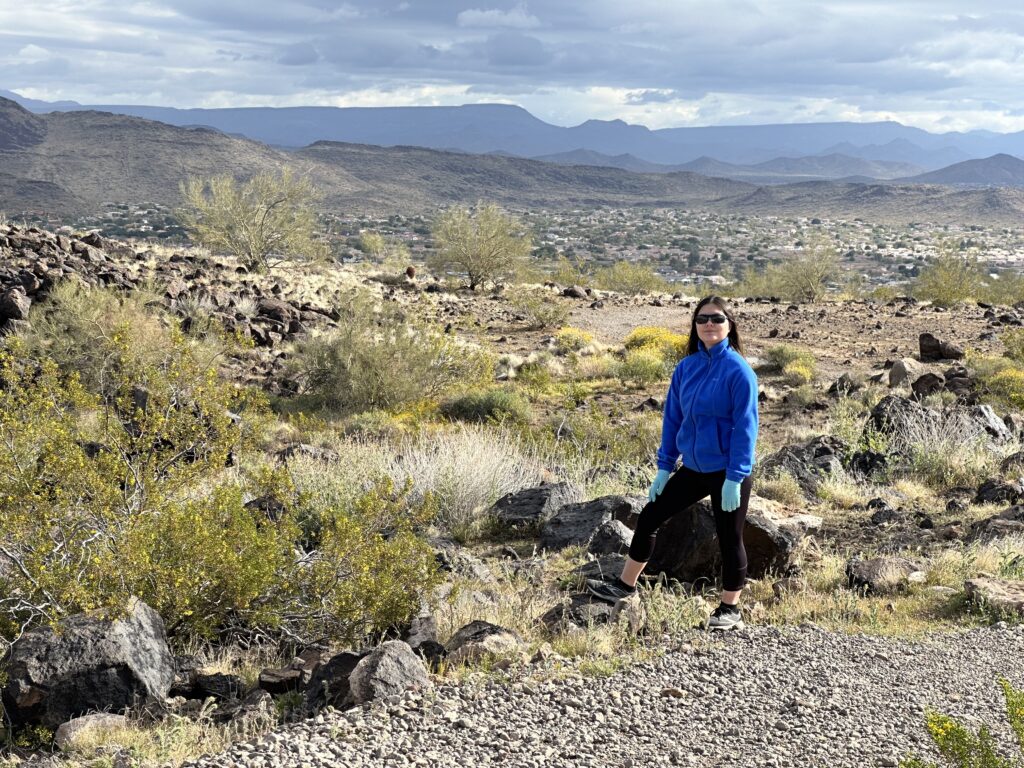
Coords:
pixel 14 304
pixel 687 547
pixel 70 733
pixel 329 684
pixel 893 413
pixel 904 370
pixel 933 350
pixel 87 663
pixel 1002 595
pixel 392 668
pixel 479 639
pixel 1006 523
pixel 994 427
pixel 611 538
pixel 531 507
pixel 996 491
pixel 810 463
pixel 879 575
pixel 577 523
pixel 579 611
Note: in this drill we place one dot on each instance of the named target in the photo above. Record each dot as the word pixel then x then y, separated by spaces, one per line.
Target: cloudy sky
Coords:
pixel 934 64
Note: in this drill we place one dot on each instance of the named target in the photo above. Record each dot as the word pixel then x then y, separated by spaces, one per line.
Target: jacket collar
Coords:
pixel 716 351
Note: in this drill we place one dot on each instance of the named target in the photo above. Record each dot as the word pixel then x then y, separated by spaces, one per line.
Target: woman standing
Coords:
pixel 711 422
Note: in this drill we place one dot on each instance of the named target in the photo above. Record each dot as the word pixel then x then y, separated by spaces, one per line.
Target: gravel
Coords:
pixel 757 697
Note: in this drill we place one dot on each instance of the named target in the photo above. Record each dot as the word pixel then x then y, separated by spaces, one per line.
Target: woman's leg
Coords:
pixel 684 488
pixel 729 526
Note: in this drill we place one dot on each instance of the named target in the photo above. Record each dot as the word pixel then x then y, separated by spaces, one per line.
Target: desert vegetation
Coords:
pixel 315 465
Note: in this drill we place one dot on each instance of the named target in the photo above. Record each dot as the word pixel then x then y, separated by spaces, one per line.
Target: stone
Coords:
pixel 686 548
pixel 577 523
pixel 994 427
pixel 789 586
pixel 578 612
pixel 927 384
pixel 1002 595
pixel 392 668
pixel 278 681
pixel 306 451
pixel 996 491
pixel 879 575
pixel 575 292
pixel 14 304
pixel 933 350
pixel 1006 523
pixel 809 463
pixel 453 558
pixel 611 538
pixel 257 708
pixel 480 639
pixel 70 732
pixel 217 685
pixel 844 385
pixel 278 310
pixel 530 507
pixel 903 371
pixel 893 413
pixel 88 663
pixel 329 684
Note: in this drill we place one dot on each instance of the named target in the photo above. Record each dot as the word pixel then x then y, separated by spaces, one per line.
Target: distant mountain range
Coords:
pixel 76 162
pixel 507 129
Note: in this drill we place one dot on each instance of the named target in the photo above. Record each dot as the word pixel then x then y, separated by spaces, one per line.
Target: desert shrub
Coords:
pixel 539 309
pixel 467 469
pixel 537 373
pixel 568 272
pixel 1013 340
pixel 1003 287
pixel 950 450
pixel 489 405
pixel 366 568
pixel 961 748
pixel 629 277
pixel 797 373
pixel 670 345
pixel 486 245
pixel 801 277
pixel 778 357
pixel 94 330
pixel 1007 386
pixel 781 487
pixel 605 440
pixel 376 359
pixel 571 339
pixel 82 474
pixel 641 367
pixel 1000 379
pixel 594 366
pixel 950 278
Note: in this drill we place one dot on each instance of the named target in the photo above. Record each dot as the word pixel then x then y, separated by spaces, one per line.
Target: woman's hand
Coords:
pixel 658 485
pixel 730 496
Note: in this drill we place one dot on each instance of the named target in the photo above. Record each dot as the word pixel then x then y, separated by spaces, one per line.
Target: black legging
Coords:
pixel 686 487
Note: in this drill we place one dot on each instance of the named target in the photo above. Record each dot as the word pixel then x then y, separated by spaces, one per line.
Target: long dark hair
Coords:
pixel 734 331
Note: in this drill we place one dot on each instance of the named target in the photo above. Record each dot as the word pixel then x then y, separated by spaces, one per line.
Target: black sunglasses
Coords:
pixel 716 319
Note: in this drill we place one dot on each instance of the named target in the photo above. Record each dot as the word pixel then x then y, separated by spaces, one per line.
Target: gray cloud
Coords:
pixel 681 60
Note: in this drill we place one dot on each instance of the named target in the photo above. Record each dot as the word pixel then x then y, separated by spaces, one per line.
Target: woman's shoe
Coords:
pixel 726 617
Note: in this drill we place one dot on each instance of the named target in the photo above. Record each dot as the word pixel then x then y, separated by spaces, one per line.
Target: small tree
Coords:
pixel 804 277
pixel 265 221
pixel 487 246
pixel 950 278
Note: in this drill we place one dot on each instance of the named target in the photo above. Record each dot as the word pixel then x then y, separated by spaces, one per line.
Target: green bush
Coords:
pixel 630 277
pixel 950 278
pixel 798 373
pixel 782 355
pixel 489 405
pixel 801 277
pixel 376 359
pixel 961 748
pixel 571 339
pixel 641 367
pixel 1013 340
pixel 540 310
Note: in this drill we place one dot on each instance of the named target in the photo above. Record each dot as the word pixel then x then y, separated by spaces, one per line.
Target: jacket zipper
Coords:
pixel 693 416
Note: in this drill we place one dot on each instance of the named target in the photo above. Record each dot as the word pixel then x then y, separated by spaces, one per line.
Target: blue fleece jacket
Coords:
pixel 711 413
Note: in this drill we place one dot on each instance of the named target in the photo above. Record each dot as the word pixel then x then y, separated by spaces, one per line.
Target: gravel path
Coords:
pixel 757 697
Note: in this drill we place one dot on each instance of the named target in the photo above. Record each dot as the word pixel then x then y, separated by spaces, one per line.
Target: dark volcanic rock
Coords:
pixel 808 463
pixel 933 350
pixel 530 507
pixel 577 523
pixel 88 664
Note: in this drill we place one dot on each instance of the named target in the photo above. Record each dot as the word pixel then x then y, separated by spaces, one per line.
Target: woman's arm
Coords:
pixel 743 391
pixel 668 453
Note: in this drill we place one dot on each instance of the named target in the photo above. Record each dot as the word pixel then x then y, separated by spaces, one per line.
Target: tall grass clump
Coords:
pixel 539 309
pixel 495 405
pixel 377 359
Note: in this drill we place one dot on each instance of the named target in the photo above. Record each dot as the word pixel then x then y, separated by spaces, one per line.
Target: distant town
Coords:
pixel 681 246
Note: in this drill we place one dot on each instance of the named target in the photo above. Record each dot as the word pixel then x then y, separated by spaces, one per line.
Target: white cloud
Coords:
pixel 517 18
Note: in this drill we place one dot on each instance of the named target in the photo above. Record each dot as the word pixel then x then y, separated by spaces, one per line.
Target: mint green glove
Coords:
pixel 658 485
pixel 730 496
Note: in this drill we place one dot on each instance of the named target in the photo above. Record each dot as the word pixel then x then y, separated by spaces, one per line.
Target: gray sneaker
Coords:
pixel 726 617
pixel 609 591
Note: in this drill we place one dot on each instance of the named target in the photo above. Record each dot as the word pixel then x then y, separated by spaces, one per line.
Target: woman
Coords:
pixel 711 421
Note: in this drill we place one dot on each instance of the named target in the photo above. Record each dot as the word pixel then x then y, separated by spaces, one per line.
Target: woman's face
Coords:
pixel 709 332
